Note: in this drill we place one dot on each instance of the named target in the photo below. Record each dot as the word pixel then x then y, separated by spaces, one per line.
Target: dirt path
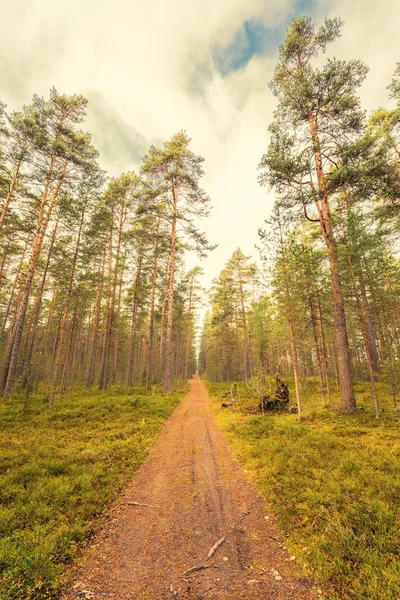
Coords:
pixel 197 494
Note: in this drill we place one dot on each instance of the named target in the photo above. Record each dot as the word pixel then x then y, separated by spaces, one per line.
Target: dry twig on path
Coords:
pixel 140 504
pixel 194 569
pixel 215 547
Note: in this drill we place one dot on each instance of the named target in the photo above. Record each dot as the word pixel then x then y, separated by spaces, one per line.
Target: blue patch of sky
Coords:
pixel 255 39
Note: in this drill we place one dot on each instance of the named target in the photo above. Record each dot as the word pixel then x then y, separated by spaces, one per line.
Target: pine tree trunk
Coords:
pixel 170 312
pixel 151 316
pixel 41 227
pixel 3 265
pixel 117 319
pixel 13 183
pixel 162 320
pixel 35 320
pixel 106 375
pixel 369 326
pixel 68 356
pixel 323 342
pixel 50 316
pixel 348 402
pixel 291 330
pixel 365 337
pixel 60 347
pixel 246 339
pixel 92 347
pixel 317 348
pixel 129 376
pixel 17 274
pixel 108 319
pixel 188 335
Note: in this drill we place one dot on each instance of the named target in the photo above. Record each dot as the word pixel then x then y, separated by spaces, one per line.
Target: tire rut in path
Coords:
pixel 142 552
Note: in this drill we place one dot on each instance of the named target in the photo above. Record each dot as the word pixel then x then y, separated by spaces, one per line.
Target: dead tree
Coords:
pixel 280 398
pixel 233 395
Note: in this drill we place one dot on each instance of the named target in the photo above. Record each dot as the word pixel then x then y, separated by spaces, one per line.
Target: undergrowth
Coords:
pixel 59 469
pixel 334 481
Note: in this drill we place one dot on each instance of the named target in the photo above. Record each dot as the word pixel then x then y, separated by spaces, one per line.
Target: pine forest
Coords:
pixel 109 324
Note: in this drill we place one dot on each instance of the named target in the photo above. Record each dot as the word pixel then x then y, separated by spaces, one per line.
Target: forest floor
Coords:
pixel 187 495
pixel 59 470
pixel 333 480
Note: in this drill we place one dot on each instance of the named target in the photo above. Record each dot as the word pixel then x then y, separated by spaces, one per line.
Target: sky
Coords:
pixel 152 68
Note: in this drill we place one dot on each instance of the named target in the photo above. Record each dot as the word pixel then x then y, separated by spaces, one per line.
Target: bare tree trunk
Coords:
pixel 96 321
pixel 108 319
pixel 68 356
pixel 151 318
pixel 188 334
pixel 290 323
pixel 170 313
pixel 246 338
pixel 348 402
pixel 36 313
pixel 117 319
pixel 365 336
pixel 17 274
pixel 60 347
pixel 369 326
pixel 2 266
pixel 105 374
pixel 129 376
pixel 317 348
pixel 11 189
pixel 323 342
pixel 10 363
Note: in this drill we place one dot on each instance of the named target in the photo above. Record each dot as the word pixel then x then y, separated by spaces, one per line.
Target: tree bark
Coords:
pixel 116 327
pixel 348 402
pixel 129 376
pixel 108 319
pixel 290 323
pixel 317 348
pixel 246 337
pixel 91 367
pixel 17 274
pixel 170 312
pixel 188 334
pixel 323 342
pixel 41 227
pixel 369 327
pixel 13 183
pixel 365 336
pixel 66 313
pixel 149 365
pixel 27 370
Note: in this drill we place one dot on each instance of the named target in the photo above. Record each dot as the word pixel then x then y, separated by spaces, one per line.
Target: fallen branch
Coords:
pixel 215 547
pixel 194 569
pixel 139 504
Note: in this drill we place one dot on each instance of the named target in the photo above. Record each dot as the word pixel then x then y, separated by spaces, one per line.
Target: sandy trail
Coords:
pixel 142 552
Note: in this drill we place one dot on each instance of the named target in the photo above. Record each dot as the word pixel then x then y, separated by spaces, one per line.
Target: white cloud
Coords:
pixel 152 63
pixel 371 34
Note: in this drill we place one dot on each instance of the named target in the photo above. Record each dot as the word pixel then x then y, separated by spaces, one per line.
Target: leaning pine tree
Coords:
pixel 318 114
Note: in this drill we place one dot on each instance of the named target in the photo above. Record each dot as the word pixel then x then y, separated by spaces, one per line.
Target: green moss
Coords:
pixel 59 469
pixel 334 481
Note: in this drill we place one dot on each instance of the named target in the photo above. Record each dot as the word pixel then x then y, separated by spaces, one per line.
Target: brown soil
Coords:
pixel 198 494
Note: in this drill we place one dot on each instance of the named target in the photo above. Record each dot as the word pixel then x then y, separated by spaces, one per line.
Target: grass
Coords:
pixel 334 481
pixel 58 470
